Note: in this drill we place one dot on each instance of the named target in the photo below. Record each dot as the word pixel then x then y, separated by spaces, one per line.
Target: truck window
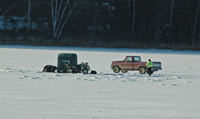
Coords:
pixel 128 59
pixel 137 59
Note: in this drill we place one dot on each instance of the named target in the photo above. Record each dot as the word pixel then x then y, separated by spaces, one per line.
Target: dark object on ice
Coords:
pixel 71 68
pixel 83 67
pixel 49 68
pixel 66 59
pixel 93 72
pixel 67 63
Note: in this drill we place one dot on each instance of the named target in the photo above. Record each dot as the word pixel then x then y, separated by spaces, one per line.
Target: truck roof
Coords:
pixel 132 56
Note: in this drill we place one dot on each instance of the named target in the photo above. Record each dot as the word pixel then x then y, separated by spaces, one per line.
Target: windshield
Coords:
pixel 128 59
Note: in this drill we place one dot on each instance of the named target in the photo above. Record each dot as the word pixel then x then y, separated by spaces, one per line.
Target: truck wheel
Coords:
pixel 124 71
pixel 85 71
pixel 116 69
pixel 69 71
pixel 142 70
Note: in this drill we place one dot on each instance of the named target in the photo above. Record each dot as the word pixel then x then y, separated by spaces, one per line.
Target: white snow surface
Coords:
pixel 28 93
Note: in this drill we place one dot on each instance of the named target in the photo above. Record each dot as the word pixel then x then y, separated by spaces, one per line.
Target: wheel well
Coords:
pixel 116 66
pixel 141 66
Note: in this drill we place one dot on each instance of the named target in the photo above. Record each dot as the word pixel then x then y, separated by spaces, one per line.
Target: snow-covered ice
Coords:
pixel 28 93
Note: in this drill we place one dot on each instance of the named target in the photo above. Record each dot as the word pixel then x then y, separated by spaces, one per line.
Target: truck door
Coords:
pixel 128 63
pixel 136 62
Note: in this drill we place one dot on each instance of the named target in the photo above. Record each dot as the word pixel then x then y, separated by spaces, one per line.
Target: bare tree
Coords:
pixel 134 13
pixel 170 20
pixel 29 15
pixel 195 23
pixel 158 33
pixel 129 8
pixel 88 12
pixel 58 10
pixel 160 24
pixel 3 13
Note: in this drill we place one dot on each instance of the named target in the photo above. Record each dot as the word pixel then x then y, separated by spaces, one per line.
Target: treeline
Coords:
pixel 154 22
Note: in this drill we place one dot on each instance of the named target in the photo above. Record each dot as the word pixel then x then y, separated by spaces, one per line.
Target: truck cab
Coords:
pixel 130 63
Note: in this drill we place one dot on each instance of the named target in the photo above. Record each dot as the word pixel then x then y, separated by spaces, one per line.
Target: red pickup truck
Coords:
pixel 131 63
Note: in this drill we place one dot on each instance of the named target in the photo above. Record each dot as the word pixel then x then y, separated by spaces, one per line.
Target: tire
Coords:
pixel 116 69
pixel 124 71
pixel 69 71
pixel 85 71
pixel 142 70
